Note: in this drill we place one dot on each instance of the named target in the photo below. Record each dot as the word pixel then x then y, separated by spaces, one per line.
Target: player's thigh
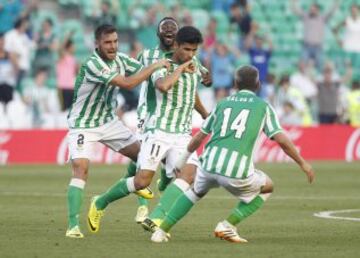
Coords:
pixel 178 148
pixel 203 182
pixel 152 151
pixel 244 189
pixel 121 139
pixel 81 143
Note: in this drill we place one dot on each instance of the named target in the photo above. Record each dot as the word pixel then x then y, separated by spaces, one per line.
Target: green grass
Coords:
pixel 33 217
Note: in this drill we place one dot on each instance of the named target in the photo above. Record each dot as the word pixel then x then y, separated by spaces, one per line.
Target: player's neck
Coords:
pixel 166 48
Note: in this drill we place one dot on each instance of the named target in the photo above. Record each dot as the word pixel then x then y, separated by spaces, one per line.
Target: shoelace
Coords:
pixel 98 215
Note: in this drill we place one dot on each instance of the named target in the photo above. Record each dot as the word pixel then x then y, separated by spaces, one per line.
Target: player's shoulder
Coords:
pixel 122 55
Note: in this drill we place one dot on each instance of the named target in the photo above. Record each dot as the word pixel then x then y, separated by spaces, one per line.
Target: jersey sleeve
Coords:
pixel 140 57
pixel 208 124
pixel 132 65
pixel 159 73
pixel 97 73
pixel 272 125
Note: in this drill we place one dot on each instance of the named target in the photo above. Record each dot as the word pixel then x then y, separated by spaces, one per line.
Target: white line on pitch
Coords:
pixel 214 197
pixel 330 214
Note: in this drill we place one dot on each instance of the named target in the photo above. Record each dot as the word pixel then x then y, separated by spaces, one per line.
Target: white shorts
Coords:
pixel 114 135
pixel 159 145
pixel 244 189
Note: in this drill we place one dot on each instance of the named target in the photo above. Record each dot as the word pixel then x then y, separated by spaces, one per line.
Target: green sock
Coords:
pixel 131 169
pixel 117 191
pixel 74 200
pixel 142 201
pixel 244 210
pixel 180 208
pixel 169 197
pixel 164 180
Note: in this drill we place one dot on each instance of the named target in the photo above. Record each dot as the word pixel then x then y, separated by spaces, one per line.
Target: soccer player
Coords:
pixel 166 32
pixel 92 116
pixel 169 126
pixel 235 124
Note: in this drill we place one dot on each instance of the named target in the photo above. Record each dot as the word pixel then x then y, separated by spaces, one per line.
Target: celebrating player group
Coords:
pixel 169 75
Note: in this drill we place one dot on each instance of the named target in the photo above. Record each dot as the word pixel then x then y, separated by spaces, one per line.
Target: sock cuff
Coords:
pixel 264 196
pixel 181 184
pixel 191 195
pixel 77 182
pixel 130 184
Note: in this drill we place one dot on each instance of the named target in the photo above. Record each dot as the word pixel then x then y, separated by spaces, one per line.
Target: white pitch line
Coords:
pixel 216 197
pixel 329 214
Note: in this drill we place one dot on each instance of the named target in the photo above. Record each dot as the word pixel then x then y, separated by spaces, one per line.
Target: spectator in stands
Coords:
pixel 259 55
pixel 41 100
pixel 10 10
pixel 303 79
pixel 329 93
pixel 354 104
pixel 187 19
pixel 269 88
pixel 314 30
pixel 18 43
pixel 135 48
pixel 46 45
pixel 210 36
pixel 66 69
pixel 288 93
pixel 240 15
pixel 351 38
pixel 222 65
pixel 106 14
pixel 289 115
pixel 7 75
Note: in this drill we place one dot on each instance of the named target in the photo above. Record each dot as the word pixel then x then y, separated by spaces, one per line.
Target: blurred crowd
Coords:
pixel 41 51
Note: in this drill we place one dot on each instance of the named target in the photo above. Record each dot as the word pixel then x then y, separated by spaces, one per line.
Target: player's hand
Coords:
pixel 163 63
pixel 307 168
pixel 188 67
pixel 206 79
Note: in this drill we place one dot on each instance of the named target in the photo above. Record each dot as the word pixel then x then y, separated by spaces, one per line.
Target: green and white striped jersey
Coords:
pixel 147 97
pixel 236 124
pixel 148 93
pixel 94 102
pixel 173 109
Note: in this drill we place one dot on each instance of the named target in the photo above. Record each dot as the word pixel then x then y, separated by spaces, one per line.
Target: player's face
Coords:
pixel 167 33
pixel 107 45
pixel 186 51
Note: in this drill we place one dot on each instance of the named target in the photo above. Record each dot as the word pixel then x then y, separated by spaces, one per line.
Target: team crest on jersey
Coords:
pixel 105 71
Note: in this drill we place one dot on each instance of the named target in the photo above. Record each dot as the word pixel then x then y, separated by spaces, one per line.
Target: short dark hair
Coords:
pixel 20 22
pixel 189 34
pixel 247 77
pixel 104 29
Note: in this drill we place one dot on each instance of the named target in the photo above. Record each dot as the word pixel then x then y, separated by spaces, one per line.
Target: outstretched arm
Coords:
pixel 135 79
pixel 288 147
pixel 332 10
pixel 164 84
pixel 295 8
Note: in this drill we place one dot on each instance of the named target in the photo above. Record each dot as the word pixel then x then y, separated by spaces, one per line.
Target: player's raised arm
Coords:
pixel 132 81
pixel 165 83
pixel 289 148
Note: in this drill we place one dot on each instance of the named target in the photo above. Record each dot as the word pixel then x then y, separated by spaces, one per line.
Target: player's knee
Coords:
pixel 268 187
pixel 188 173
pixel 80 168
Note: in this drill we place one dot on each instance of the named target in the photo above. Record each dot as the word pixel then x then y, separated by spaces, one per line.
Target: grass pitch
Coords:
pixel 33 217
